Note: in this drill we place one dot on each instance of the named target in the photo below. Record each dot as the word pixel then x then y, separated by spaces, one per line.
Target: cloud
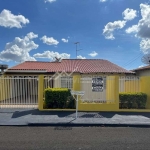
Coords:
pixel 145 46
pixel 7 19
pixel 132 29
pixel 64 40
pixel 93 54
pixel 142 29
pixel 141 66
pixel 103 1
pixel 129 14
pixel 19 49
pixel 50 1
pixel 51 55
pixel 49 40
pixel 111 26
pixel 144 23
pixel 80 57
pixel 31 35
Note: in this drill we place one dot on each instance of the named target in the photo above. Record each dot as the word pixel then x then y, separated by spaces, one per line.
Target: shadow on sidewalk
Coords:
pixel 69 114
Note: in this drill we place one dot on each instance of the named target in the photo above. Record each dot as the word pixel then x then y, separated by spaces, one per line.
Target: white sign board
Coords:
pixel 77 93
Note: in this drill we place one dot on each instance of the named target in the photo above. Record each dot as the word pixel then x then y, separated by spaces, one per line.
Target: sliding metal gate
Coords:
pixel 19 92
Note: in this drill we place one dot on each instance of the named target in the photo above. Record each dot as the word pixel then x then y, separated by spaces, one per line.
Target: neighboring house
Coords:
pixel 142 71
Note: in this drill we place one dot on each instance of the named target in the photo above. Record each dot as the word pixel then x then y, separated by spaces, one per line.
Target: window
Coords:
pixel 67 82
pixel 98 84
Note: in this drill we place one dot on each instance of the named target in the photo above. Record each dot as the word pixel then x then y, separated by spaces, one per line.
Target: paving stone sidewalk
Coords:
pixel 35 117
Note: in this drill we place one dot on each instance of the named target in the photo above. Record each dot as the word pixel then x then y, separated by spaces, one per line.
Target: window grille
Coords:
pixel 67 82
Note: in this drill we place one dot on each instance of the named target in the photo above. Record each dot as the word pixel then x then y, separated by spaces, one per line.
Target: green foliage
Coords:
pixel 58 98
pixel 133 100
pixel 70 102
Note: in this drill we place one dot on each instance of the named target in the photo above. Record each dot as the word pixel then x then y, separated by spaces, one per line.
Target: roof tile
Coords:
pixel 142 68
pixel 70 65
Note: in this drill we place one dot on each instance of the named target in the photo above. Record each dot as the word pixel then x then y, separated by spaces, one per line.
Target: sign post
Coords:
pixel 77 94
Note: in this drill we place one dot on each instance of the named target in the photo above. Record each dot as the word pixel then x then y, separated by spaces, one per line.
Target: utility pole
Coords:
pixel 77 48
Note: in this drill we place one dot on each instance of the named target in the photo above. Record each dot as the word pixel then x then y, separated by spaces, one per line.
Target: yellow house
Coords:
pixel 98 78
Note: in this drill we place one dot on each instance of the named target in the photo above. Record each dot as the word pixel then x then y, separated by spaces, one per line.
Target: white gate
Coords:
pixel 19 92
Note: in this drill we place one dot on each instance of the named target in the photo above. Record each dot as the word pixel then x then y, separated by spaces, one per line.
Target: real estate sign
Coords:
pixel 97 84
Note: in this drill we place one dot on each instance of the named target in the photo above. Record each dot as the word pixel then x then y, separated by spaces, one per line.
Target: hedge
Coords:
pixel 58 98
pixel 133 100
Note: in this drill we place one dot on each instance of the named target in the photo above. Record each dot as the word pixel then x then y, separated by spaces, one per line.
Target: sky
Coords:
pixel 40 30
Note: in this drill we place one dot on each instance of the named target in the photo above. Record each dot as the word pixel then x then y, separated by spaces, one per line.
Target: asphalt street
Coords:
pixel 74 138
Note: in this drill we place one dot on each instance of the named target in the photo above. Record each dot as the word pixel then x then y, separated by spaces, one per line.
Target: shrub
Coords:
pixel 58 98
pixel 132 100
pixel 70 102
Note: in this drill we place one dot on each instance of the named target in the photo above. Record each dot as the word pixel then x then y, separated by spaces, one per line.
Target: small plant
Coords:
pixel 58 98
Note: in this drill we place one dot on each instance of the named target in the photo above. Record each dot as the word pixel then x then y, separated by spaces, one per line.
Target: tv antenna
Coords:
pixel 57 59
pixel 146 59
pixel 77 48
pixel 3 67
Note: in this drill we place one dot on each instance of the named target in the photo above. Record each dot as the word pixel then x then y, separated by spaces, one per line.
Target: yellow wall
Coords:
pixel 110 84
pixel 97 107
pixel 145 88
pixel 5 88
pixel 76 82
pixel 114 92
pixel 40 91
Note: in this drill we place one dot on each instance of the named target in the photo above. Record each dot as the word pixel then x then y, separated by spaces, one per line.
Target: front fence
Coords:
pixel 129 84
pixel 22 91
pixel 18 92
pixel 97 89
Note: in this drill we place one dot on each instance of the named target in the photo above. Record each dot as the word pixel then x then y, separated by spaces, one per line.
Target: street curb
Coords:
pixel 88 125
pixel 77 125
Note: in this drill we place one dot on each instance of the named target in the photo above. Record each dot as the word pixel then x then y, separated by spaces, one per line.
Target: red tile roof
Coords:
pixel 76 65
pixel 142 68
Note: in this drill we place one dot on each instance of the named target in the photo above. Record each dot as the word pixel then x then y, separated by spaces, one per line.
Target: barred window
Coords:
pixel 67 82
pixel 98 84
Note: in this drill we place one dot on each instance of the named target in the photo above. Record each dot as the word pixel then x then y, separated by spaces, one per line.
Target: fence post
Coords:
pixel 116 91
pixel 77 87
pixel 76 83
pixel 145 88
pixel 40 91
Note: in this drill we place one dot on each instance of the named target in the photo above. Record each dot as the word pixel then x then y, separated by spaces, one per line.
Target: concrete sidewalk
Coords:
pixel 35 117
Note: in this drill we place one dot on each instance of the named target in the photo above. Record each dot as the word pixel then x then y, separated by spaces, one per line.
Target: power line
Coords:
pixel 132 60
